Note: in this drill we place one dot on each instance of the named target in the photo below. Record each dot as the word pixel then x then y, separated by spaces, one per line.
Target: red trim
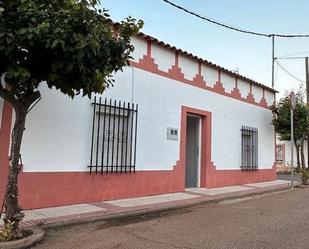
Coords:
pixel 149 48
pixel 147 63
pixel 198 79
pixel 205 140
pixel 5 132
pixel 59 188
pixel 185 53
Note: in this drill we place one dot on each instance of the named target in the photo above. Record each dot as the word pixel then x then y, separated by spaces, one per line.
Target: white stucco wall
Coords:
pixel 244 88
pixel 228 82
pixel 270 97
pixel 257 93
pixel 58 131
pixel 163 57
pixel 140 48
pixel 210 75
pixel 188 66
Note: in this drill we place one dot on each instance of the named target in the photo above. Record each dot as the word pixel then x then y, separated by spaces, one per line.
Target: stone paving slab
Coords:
pixel 58 212
pixel 132 202
pixel 218 191
pixel 267 184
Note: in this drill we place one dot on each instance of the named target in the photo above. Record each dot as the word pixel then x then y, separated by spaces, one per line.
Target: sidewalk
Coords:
pixel 126 207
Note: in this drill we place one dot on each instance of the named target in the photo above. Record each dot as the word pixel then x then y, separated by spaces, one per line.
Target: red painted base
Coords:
pixel 221 178
pixel 52 189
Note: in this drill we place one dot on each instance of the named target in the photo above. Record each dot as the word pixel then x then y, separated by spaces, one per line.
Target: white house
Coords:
pixel 283 154
pixel 178 121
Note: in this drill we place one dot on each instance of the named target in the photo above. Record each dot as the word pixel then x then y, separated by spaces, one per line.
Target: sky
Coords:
pixel 248 54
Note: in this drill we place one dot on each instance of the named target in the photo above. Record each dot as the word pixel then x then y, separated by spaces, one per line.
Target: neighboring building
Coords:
pixel 283 154
pixel 196 125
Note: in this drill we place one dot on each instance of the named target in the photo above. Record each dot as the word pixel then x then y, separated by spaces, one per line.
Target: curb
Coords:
pixel 34 238
pixel 134 213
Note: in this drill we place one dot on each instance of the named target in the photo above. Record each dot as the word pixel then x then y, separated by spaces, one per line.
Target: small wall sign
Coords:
pixel 172 133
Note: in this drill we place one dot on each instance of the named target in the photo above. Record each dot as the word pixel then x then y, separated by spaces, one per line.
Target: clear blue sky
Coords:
pixel 250 54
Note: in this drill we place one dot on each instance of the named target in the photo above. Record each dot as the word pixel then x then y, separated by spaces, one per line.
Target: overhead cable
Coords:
pixel 289 73
pixel 219 23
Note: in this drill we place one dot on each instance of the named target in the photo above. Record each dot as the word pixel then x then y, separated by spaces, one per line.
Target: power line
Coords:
pixel 289 73
pixel 297 53
pixel 291 58
pixel 219 23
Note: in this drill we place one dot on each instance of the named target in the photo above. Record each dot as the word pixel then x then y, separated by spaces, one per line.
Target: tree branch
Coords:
pixel 31 98
pixel 6 95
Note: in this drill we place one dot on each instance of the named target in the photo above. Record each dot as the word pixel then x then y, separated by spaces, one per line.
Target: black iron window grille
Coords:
pixel 249 148
pixel 113 140
pixel 279 154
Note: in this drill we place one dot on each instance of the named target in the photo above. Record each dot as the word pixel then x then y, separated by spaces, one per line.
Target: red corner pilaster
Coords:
pixel 5 133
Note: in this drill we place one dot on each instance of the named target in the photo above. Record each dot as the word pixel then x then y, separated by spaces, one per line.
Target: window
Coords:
pixel 113 143
pixel 280 154
pixel 249 148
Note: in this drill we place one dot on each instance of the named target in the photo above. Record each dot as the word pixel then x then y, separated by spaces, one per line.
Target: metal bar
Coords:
pixel 251 147
pixel 253 143
pixel 118 136
pixel 135 136
pixel 131 132
pixel 257 148
pixel 242 147
pixel 127 136
pixel 98 138
pixel 108 136
pixel 124 103
pixel 292 147
pixel 103 142
pixel 107 105
pixel 273 62
pixel 113 143
pixel 92 136
pixel 307 98
pixel 246 148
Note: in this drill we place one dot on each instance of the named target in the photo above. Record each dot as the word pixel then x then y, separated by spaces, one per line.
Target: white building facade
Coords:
pixel 179 121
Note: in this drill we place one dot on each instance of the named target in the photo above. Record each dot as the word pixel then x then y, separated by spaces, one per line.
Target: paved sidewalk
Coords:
pixel 124 207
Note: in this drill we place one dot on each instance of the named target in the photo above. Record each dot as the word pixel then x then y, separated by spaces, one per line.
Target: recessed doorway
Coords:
pixel 193 142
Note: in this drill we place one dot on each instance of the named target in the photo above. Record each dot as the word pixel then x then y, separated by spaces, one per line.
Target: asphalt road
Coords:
pixel 277 220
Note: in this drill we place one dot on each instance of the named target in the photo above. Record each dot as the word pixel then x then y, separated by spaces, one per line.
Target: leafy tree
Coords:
pixel 282 123
pixel 67 44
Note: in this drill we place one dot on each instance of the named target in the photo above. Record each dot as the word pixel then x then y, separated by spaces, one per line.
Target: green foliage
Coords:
pixel 282 121
pixel 305 176
pixel 6 233
pixel 70 44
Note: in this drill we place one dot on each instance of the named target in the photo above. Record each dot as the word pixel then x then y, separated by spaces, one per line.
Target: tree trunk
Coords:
pixel 297 156
pixel 302 154
pixel 12 210
pixel 21 107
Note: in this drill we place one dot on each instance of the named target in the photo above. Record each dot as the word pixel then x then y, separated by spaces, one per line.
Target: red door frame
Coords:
pixel 205 150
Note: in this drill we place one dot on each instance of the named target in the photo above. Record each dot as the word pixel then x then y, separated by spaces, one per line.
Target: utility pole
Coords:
pixel 307 95
pixel 273 62
pixel 292 147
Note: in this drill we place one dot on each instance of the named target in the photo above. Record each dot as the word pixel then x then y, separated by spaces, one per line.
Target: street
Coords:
pixel 277 220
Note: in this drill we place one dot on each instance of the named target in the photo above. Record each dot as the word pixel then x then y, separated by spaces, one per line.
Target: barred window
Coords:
pixel 249 148
pixel 279 154
pixel 113 145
